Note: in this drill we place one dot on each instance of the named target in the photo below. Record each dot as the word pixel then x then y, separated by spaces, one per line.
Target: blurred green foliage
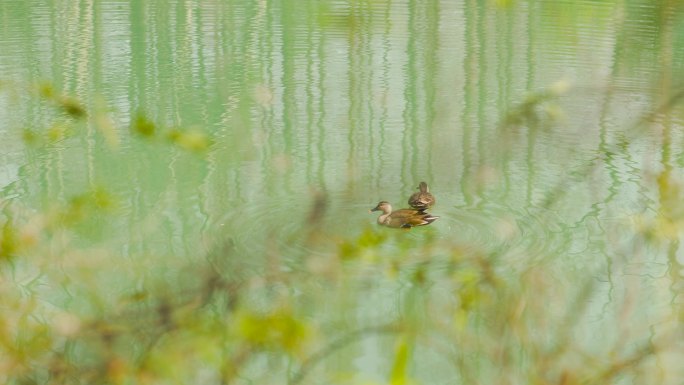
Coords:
pixel 192 139
pixel 142 126
pixel 71 106
pixel 223 320
pixel 491 326
pixel 9 242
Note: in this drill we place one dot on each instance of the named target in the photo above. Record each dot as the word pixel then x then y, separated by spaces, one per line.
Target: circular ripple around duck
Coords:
pixel 519 235
pixel 276 230
pixel 542 235
pixel 269 229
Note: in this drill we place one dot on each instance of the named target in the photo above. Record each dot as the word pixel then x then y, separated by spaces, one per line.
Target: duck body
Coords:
pixel 402 218
pixel 422 200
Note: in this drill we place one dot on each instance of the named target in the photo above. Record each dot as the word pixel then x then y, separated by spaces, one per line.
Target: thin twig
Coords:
pixel 308 365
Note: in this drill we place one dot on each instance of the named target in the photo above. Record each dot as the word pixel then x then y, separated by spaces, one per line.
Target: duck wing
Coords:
pixel 421 200
pixel 407 218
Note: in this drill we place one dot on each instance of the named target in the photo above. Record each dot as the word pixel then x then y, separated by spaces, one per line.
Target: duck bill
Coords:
pixel 376 208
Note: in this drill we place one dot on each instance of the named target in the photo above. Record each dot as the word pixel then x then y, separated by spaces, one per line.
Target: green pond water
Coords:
pixel 152 148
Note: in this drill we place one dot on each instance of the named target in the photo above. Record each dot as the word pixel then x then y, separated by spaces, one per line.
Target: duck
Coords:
pixel 402 218
pixel 422 199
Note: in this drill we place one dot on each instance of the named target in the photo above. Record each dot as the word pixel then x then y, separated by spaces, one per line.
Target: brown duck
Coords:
pixel 422 199
pixel 403 218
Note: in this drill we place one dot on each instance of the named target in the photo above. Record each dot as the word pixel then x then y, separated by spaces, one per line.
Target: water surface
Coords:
pixel 550 132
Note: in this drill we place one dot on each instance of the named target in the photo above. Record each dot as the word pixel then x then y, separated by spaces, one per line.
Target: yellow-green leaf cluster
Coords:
pixel 279 329
pixel 191 140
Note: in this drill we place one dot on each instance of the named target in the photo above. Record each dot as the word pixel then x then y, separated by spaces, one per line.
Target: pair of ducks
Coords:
pixel 407 218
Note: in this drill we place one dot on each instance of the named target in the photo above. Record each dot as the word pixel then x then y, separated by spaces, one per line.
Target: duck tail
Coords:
pixel 430 218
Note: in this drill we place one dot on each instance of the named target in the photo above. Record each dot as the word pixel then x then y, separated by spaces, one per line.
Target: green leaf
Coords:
pixel 402 353
pixel 143 126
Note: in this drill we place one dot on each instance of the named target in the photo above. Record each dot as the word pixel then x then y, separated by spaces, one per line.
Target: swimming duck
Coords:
pixel 422 199
pixel 402 218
